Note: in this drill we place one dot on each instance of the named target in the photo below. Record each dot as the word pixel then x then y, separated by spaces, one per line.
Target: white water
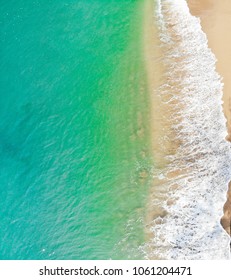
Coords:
pixel 191 229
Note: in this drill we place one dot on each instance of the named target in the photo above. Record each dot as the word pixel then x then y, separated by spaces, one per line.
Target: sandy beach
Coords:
pixel 216 23
pixel 175 153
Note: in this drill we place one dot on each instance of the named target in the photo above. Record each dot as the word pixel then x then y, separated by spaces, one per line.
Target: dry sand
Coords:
pixel 215 18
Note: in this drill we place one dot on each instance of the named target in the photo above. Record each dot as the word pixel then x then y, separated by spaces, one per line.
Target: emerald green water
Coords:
pixel 74 130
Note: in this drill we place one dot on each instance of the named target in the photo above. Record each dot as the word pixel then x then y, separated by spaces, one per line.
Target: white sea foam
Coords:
pixel 193 88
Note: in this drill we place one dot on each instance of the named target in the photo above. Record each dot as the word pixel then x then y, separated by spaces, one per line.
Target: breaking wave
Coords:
pixel 198 170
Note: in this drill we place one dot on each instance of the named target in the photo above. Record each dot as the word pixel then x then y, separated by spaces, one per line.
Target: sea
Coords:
pixel 77 168
pixel 74 130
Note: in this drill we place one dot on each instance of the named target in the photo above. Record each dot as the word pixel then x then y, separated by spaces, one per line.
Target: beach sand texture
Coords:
pixel 216 23
pixel 186 199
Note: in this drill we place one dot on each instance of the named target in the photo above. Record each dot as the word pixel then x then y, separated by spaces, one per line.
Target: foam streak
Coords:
pixel 200 163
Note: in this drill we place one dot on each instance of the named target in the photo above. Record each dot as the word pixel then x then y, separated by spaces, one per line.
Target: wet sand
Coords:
pixel 216 23
pixel 163 142
pixel 160 126
pixel 151 54
pixel 154 69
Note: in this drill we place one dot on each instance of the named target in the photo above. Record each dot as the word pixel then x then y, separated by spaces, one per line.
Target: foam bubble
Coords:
pixel 193 89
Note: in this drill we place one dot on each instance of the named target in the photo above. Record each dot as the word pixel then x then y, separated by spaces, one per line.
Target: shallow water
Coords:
pixel 74 130
pixel 75 134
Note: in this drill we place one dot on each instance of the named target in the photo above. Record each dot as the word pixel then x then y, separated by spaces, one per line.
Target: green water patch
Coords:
pixel 74 130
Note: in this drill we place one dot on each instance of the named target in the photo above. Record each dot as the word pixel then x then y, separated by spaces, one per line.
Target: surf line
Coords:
pixel 198 171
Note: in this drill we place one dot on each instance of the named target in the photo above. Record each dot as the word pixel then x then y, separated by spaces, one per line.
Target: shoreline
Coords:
pixel 215 19
pixel 163 141
pixel 159 126
pixel 175 181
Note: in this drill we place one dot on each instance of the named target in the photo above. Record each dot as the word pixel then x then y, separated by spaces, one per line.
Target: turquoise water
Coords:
pixel 74 130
